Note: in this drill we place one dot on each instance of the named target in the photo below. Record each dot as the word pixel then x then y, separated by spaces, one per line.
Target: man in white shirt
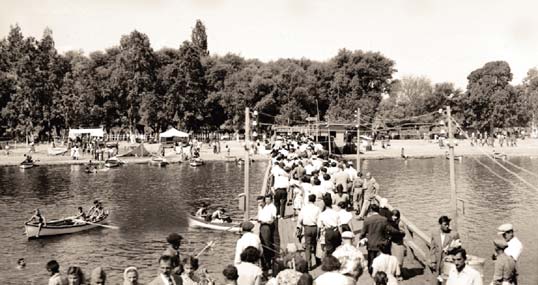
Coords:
pixel 266 217
pixel 515 247
pixel 246 240
pixel 307 221
pixel 351 258
pixel 462 274
pixel 281 185
pixel 165 273
pixel 328 221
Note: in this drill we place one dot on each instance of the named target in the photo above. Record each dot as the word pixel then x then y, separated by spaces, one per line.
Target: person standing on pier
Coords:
pixel 166 277
pixel 441 245
pixel 515 247
pixel 328 223
pixel 505 266
pixel 463 274
pixel 266 216
pixel 246 240
pixel 281 184
pixel 374 233
pixel 369 187
pixel 307 222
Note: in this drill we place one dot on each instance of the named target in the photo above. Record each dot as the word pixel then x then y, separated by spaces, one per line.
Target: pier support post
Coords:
pixel 453 197
pixel 247 162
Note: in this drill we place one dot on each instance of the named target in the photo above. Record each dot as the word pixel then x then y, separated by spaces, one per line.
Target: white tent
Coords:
pixel 73 133
pixel 171 133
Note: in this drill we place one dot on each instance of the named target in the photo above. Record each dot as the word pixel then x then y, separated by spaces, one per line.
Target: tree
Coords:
pixel 490 101
pixel 530 90
pixel 199 39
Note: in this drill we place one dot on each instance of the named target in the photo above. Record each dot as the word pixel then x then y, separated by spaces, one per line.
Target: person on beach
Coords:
pixel 166 274
pixel 130 276
pixel 172 250
pixel 505 266
pixel 462 274
pixel 307 223
pixel 444 242
pixel 75 276
pixel 247 239
pixel 56 278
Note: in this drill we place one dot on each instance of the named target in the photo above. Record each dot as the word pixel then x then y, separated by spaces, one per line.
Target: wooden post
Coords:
pixel 453 194
pixel 247 161
pixel 329 135
pixel 358 139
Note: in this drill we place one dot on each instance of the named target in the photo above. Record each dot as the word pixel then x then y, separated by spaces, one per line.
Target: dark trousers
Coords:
pixel 266 236
pixel 372 253
pixel 281 197
pixel 333 239
pixel 310 239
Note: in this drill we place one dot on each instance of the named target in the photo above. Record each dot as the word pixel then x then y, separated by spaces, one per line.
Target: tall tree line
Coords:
pixel 132 88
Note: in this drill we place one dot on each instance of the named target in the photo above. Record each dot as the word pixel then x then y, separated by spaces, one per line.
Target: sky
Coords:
pixel 442 40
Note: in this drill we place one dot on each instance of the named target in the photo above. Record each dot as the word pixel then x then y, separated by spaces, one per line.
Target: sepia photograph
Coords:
pixel 284 142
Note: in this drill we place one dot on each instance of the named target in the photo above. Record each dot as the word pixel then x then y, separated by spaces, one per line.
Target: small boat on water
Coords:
pixel 196 162
pixel 498 155
pixel 113 162
pixel 158 161
pixel 26 164
pixel 59 227
pixel 197 222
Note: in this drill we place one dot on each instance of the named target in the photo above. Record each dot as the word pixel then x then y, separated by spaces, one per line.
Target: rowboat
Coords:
pixel 25 165
pixel 158 161
pixel 57 151
pixel 196 222
pixel 196 162
pixel 498 155
pixel 59 227
pixel 113 162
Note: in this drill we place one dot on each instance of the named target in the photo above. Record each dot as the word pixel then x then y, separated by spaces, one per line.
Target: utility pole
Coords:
pixel 247 161
pixel 453 196
pixel 329 134
pixel 358 139
pixel 317 120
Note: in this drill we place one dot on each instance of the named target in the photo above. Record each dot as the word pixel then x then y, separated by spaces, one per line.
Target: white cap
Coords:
pixel 504 228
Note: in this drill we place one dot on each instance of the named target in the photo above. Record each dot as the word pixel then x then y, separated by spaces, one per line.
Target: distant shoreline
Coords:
pixel 413 149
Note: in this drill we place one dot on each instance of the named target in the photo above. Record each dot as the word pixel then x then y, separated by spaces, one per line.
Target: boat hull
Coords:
pixel 32 230
pixel 159 163
pixel 196 162
pixel 26 165
pixel 195 222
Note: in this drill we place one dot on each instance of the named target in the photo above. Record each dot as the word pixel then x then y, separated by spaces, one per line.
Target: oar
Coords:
pixel 209 245
pixel 91 223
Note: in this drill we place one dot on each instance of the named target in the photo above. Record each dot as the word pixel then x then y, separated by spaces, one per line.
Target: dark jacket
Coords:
pixel 375 228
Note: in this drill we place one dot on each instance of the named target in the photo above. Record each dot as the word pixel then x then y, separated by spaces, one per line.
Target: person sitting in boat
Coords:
pixel 202 212
pixel 98 214
pixel 28 159
pixel 92 209
pixel 90 167
pixel 81 216
pixel 37 218
pixel 219 216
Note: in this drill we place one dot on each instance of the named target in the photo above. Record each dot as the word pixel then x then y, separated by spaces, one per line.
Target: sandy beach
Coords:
pixel 413 149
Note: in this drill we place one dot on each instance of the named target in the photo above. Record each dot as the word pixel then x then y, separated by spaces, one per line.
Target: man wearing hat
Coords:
pixel 246 240
pixel 505 266
pixel 441 242
pixel 515 247
pixel 172 250
pixel 352 260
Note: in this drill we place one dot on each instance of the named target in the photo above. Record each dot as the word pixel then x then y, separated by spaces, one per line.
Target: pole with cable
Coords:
pixel 453 194
pixel 358 139
pixel 247 161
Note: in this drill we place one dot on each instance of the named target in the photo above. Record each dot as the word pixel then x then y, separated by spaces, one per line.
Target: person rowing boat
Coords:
pixel 202 212
pixel 219 216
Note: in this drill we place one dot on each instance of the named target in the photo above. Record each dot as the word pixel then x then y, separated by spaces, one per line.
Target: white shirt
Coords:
pixel 328 218
pixel 248 239
pixel 248 273
pixel 386 263
pixel 166 280
pixel 309 168
pixel 514 249
pixel 468 276
pixel 309 215
pixel 351 172
pixel 333 278
pixel 267 214
pixel 344 217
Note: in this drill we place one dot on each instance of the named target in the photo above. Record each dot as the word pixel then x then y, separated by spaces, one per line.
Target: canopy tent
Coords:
pixel 73 133
pixel 138 151
pixel 174 133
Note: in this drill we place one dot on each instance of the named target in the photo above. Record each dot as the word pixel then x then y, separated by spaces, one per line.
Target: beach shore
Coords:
pixel 413 149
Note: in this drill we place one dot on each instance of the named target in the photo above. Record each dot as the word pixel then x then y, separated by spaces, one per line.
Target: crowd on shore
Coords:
pixel 324 192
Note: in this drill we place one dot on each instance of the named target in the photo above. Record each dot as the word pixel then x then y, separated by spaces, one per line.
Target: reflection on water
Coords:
pixel 147 203
pixel 421 189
